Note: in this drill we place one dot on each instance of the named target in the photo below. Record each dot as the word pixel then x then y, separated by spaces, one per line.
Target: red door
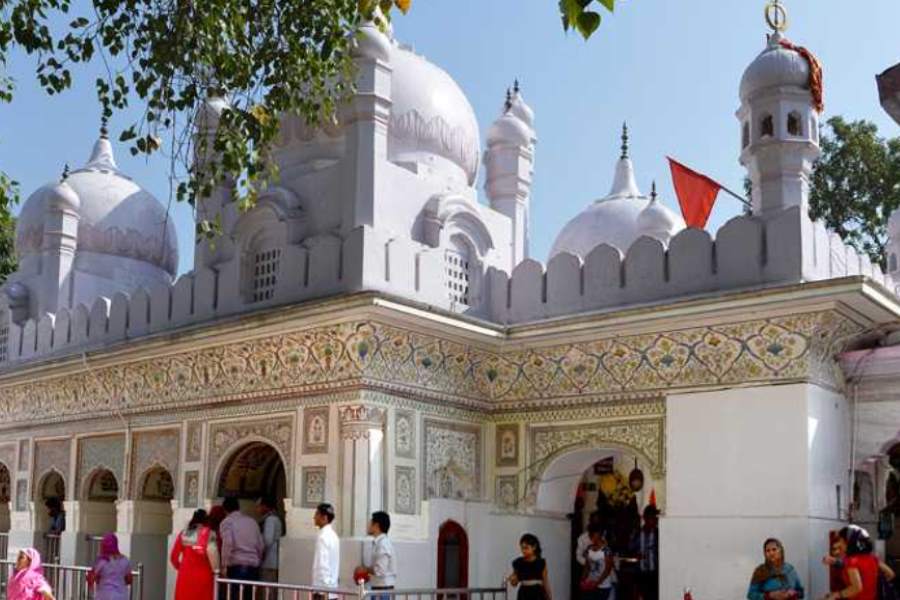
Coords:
pixel 453 556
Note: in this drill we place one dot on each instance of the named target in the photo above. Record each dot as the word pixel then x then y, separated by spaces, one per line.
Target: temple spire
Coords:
pixel 776 17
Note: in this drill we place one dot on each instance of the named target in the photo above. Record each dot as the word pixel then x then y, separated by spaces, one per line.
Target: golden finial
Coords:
pixel 776 16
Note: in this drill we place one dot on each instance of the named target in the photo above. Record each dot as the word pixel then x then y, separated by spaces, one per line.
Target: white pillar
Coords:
pixel 362 465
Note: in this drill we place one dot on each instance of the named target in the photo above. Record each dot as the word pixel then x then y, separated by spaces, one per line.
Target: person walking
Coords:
pixel 861 567
pixel 327 558
pixel 530 571
pixel 242 543
pixel 196 560
pixel 272 531
pixel 383 561
pixel 775 579
pixel 111 573
pixel 584 540
pixel 28 583
pixel 646 546
pixel 597 578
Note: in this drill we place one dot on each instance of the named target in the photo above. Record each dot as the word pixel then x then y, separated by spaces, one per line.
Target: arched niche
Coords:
pixel 50 488
pixel 97 505
pixel 153 505
pixel 253 470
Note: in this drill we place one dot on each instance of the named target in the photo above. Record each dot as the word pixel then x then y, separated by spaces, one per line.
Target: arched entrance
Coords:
pixel 611 485
pixel 51 488
pixel 153 527
pixel 253 470
pixel 97 508
pixel 453 556
pixel 5 498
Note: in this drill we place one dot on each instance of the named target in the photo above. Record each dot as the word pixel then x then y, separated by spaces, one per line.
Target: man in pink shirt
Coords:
pixel 242 543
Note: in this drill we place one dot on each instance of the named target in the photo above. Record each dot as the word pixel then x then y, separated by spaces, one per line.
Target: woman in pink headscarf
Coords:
pixel 28 582
pixel 111 573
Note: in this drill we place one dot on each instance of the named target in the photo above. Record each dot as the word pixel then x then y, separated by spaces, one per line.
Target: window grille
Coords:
pixel 265 274
pixel 794 126
pixel 457 276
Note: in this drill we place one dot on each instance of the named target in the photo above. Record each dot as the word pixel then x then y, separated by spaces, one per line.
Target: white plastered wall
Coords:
pixel 745 465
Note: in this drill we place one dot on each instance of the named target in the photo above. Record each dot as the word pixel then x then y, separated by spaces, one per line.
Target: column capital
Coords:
pixel 358 420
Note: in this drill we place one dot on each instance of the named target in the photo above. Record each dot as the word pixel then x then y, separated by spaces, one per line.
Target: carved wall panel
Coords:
pixel 22 494
pixel 452 460
pixel 192 489
pixel 107 452
pixel 405 434
pixel 194 450
pixel 52 455
pixel 150 449
pixel 315 430
pixel 405 490
pixel 24 454
pixel 507 492
pixel 313 488
pixel 507 445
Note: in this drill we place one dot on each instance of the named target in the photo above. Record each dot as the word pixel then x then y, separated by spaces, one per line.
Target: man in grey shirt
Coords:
pixel 272 530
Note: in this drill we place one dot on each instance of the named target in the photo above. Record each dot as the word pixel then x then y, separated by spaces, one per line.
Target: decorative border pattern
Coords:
pixel 506 495
pixel 405 433
pixel 506 448
pixel 277 431
pixel 313 488
pixel 357 353
pixel 22 495
pixel 24 454
pixel 316 430
pixel 194 449
pixel 405 490
pixel 191 489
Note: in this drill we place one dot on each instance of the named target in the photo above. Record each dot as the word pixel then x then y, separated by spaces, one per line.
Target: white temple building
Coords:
pixel 372 335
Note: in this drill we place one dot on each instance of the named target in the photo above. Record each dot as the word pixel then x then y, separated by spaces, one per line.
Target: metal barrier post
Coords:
pixel 140 589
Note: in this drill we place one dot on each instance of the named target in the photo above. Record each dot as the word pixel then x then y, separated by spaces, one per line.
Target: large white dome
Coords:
pixel 619 219
pixel 116 216
pixel 432 121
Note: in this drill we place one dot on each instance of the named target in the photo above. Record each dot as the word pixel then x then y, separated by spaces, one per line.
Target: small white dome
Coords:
pixel 509 129
pixel 431 118
pixel 659 222
pixel 519 108
pixel 116 216
pixel 775 66
pixel 611 220
pixel 371 43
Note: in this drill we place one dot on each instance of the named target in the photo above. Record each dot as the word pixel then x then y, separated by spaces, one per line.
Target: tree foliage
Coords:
pixel 856 184
pixel 267 58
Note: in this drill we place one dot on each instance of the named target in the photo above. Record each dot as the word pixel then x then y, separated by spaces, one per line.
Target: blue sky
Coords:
pixel 671 69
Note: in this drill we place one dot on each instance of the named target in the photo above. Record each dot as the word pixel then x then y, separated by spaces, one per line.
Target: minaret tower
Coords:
pixel 509 161
pixel 781 98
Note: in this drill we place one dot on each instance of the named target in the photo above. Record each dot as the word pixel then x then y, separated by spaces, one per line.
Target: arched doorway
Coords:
pixel 5 496
pixel 153 526
pixel 97 509
pixel 252 471
pixel 614 484
pixel 453 556
pixel 51 488
pixel 155 494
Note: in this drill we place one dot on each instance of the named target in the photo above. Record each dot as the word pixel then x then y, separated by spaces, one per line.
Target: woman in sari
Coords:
pixel 196 558
pixel 111 574
pixel 28 582
pixel 774 579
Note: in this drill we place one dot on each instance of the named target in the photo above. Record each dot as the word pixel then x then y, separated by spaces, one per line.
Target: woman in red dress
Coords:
pixel 196 558
pixel 861 566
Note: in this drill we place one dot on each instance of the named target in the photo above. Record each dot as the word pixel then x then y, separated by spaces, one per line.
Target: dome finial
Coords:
pixel 653 192
pixel 624 140
pixel 516 86
pixel 104 132
pixel 508 104
pixel 65 173
pixel 776 16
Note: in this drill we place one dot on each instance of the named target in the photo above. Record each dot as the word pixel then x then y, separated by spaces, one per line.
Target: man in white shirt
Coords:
pixel 272 531
pixel 383 562
pixel 327 558
pixel 584 540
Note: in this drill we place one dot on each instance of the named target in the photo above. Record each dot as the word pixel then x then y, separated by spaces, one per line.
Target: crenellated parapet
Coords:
pixel 746 252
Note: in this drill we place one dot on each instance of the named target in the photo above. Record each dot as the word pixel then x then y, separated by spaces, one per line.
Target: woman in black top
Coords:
pixel 530 571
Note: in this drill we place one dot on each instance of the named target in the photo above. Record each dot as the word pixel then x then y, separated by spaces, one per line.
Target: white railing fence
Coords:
pixel 233 589
pixel 70 583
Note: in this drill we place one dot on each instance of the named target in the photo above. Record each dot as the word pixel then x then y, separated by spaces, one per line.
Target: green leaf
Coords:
pixel 610 5
pixel 588 22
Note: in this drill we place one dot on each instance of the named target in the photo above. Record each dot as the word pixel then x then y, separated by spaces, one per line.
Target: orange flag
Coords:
pixel 653 497
pixel 696 193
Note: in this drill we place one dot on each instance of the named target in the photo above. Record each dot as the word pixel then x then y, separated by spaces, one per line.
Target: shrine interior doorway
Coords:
pixel 254 470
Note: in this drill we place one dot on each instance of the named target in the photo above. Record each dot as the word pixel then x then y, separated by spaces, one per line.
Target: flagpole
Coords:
pixel 741 199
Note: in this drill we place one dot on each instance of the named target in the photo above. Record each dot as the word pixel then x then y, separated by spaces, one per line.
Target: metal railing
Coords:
pixel 50 553
pixel 71 583
pixel 4 545
pixel 233 589
pixel 93 547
